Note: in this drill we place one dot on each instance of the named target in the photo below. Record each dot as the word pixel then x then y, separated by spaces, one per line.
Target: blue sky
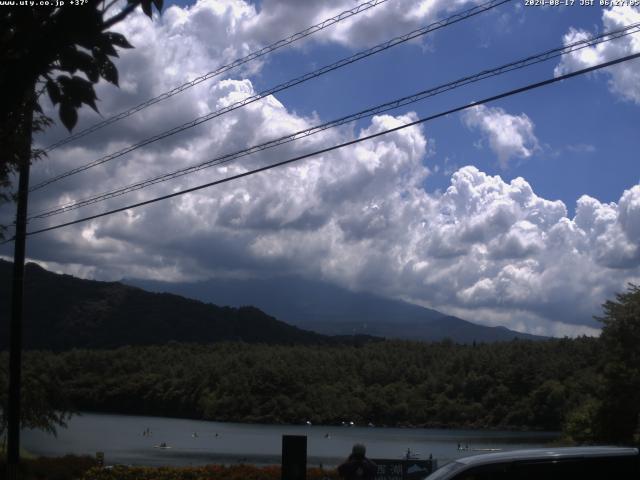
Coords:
pixel 580 113
pixel 523 212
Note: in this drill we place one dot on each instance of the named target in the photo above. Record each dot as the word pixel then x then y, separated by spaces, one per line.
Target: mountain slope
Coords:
pixel 63 312
pixel 332 310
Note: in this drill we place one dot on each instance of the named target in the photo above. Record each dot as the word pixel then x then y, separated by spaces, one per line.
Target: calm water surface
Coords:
pixel 195 442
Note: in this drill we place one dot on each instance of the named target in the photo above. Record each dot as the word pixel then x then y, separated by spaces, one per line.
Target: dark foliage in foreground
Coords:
pixel 618 418
pixel 68 467
pixel 56 51
pixel 71 467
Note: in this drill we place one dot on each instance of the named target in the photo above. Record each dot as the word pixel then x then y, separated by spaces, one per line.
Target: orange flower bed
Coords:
pixel 209 472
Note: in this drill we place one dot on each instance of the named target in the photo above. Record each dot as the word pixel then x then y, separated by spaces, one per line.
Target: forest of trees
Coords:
pixel 518 384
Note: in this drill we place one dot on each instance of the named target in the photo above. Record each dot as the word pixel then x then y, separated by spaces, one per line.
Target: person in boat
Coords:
pixel 163 445
pixel 358 466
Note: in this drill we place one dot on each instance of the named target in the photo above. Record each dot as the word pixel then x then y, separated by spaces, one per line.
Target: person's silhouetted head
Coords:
pixel 357 466
pixel 358 451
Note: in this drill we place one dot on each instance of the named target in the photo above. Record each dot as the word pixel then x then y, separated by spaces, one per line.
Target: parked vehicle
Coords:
pixel 580 463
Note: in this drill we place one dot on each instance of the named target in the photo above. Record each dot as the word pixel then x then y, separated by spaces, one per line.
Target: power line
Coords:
pixel 345 144
pixel 283 86
pixel 220 70
pixel 526 62
pixel 308 76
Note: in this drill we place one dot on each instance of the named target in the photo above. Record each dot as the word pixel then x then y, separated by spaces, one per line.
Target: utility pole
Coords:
pixel 17 299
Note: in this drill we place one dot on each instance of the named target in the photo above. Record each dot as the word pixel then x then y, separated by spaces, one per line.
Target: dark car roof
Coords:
pixel 545 453
pixel 466 463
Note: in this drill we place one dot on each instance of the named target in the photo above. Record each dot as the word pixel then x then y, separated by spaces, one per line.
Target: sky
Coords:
pixel 523 212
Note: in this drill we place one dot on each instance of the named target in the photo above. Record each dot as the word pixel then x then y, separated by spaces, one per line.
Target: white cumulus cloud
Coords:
pixel 624 79
pixel 509 136
pixel 375 25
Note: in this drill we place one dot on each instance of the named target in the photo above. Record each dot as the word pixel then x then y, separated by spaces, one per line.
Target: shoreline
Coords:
pixel 408 426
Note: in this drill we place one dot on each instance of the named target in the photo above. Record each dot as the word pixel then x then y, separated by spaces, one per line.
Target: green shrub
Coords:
pixel 69 467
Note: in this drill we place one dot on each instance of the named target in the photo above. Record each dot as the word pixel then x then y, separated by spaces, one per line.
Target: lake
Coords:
pixel 196 442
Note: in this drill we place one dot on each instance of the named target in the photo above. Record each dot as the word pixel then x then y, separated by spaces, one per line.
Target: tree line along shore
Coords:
pixel 516 385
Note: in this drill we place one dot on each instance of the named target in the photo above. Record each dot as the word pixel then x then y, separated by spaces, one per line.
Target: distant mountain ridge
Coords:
pixel 331 310
pixel 64 312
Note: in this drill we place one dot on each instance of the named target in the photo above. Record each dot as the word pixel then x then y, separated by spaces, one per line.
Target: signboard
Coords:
pixel 389 469
pixel 404 469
